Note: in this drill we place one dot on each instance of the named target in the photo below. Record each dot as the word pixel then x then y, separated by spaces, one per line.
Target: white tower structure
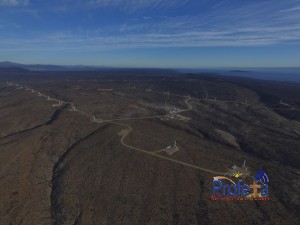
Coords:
pixel 73 108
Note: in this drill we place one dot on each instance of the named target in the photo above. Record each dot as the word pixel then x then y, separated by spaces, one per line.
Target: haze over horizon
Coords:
pixel 152 33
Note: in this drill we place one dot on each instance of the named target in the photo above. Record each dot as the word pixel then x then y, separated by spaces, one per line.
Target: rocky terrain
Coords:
pixel 103 163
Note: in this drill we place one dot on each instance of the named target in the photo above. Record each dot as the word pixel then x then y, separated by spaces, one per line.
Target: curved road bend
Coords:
pixel 159 156
pixel 184 110
pixel 190 107
pixel 145 151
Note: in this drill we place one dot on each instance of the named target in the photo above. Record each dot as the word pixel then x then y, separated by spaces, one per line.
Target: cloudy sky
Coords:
pixel 151 33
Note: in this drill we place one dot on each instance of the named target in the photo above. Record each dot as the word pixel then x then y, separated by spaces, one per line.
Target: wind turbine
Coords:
pixel 73 108
pixel 175 144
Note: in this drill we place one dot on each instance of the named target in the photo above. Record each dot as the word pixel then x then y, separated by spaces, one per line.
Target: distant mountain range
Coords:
pixel 291 74
pixel 43 67
pixel 18 68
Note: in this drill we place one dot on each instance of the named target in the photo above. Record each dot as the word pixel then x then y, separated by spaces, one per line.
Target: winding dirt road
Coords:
pixel 159 156
pixel 130 129
pixel 152 153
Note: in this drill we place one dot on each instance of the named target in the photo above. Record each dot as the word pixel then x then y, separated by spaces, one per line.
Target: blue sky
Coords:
pixel 151 33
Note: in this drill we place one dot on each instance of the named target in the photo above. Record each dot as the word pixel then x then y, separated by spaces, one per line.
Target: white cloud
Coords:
pixel 81 42
pixel 13 2
pixel 227 24
pixel 133 5
pixel 291 9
